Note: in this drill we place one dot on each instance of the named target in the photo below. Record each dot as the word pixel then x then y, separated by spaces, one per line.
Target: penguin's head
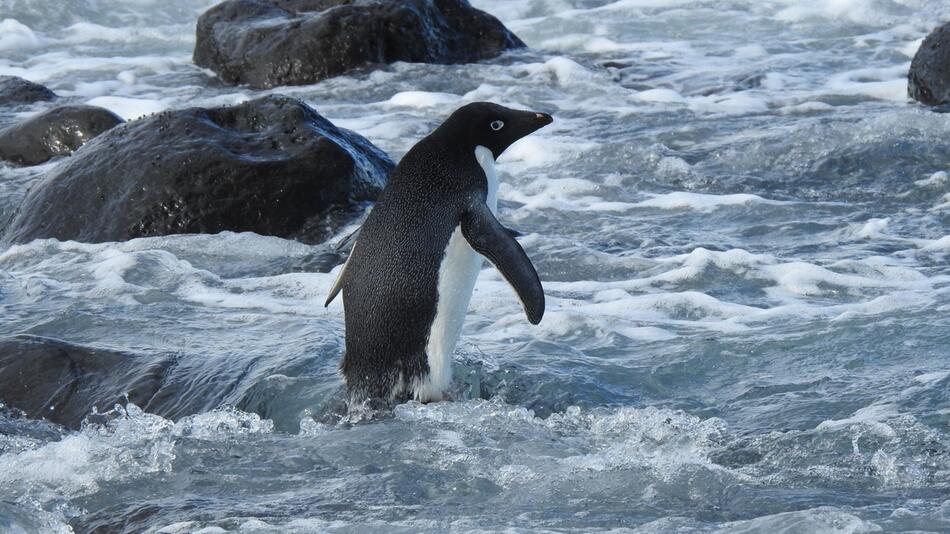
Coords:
pixel 491 126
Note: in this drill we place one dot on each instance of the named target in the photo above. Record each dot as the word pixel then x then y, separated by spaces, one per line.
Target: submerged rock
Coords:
pixel 271 166
pixel 264 43
pixel 928 81
pixel 67 383
pixel 16 90
pixel 57 132
pixel 55 380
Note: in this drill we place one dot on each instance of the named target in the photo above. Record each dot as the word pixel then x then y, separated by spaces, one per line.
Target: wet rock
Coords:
pixel 271 166
pixel 928 81
pixel 264 43
pixel 15 90
pixel 67 383
pixel 57 132
pixel 61 382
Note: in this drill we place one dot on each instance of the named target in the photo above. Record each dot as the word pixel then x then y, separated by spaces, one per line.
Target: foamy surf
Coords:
pixel 740 221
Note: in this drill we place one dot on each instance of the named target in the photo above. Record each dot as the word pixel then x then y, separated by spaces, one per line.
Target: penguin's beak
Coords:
pixel 543 119
pixel 532 121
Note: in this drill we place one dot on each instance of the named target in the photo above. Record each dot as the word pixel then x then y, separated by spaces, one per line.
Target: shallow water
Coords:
pixel 743 229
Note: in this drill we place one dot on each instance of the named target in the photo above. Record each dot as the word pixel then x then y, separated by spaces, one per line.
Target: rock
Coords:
pixel 62 382
pixel 271 166
pixel 57 132
pixel 928 81
pixel 65 382
pixel 15 90
pixel 264 43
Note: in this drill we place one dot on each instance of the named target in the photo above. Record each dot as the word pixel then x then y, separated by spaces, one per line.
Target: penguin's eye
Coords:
pixel 497 125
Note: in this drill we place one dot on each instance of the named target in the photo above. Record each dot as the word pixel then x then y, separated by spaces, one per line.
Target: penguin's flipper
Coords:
pixel 490 239
pixel 513 233
pixel 338 284
pixel 347 244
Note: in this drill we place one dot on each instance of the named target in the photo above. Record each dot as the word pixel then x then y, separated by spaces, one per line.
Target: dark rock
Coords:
pixel 271 166
pixel 57 132
pixel 15 90
pixel 928 81
pixel 51 379
pixel 64 383
pixel 264 43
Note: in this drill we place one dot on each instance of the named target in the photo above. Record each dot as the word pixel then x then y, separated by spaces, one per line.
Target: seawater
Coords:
pixel 741 222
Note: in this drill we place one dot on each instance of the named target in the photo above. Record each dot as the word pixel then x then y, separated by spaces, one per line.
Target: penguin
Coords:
pixel 408 280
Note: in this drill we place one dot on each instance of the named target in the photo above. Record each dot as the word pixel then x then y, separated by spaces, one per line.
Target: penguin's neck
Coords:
pixel 486 160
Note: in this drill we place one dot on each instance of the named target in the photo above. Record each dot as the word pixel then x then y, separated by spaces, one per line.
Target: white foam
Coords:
pixel 740 103
pixel 625 5
pixel 132 445
pixel 95 89
pixel 63 66
pixel 88 32
pixel 127 77
pixel 703 202
pixel 857 11
pixel 873 228
pixel 423 99
pixel 621 307
pixel 562 70
pixel 673 166
pixel 100 271
pixel 15 36
pixel 649 50
pixel 888 83
pixel 666 443
pixel 620 313
pixel 566 194
pixel 383 132
pixel 700 259
pixel 943 205
pixel 225 421
pixel 802 278
pixel 541 149
pixel 936 179
pixel 806 107
pixel 77 464
pixel 295 293
pixel 823 520
pixel 930 379
pixel 128 108
pixel 751 51
pixel 938 245
pixel 910 48
pixel 660 95
pixel 872 417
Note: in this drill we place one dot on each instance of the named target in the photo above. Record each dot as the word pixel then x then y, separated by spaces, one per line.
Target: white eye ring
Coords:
pixel 497 125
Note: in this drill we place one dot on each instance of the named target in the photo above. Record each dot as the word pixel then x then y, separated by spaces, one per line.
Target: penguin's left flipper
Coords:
pixel 337 285
pixel 347 244
pixel 490 239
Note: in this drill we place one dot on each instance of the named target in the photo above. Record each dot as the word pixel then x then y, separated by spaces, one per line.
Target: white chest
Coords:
pixel 457 275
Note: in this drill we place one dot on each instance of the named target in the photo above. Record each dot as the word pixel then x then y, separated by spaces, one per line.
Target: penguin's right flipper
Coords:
pixel 490 239
pixel 512 232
